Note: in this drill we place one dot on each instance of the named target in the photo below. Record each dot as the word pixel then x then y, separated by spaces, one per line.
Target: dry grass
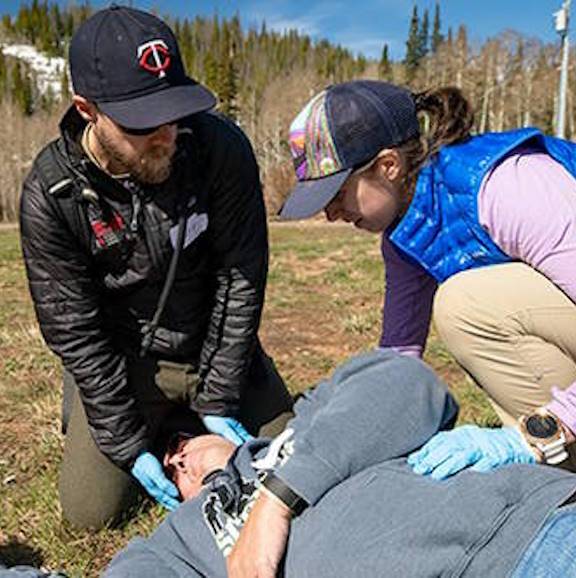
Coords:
pixel 323 303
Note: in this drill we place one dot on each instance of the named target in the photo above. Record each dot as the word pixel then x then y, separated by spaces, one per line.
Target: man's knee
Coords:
pixel 94 505
pixel 68 394
pixel 93 491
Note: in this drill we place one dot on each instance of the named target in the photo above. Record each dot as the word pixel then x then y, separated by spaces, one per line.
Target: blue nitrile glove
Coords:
pixel 227 427
pixel 481 449
pixel 148 471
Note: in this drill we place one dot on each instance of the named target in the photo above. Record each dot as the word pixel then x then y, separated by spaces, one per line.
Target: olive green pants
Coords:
pixel 93 491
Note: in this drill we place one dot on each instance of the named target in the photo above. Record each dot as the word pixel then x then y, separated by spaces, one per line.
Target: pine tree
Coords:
pixel 185 38
pixel 237 65
pixel 412 59
pixel 68 24
pixel 384 66
pixel 236 36
pixel 22 89
pixel 35 21
pixel 65 85
pixel 3 75
pixel 7 25
pixel 46 40
pixel 423 36
pixel 228 94
pixel 462 41
pixel 27 96
pixel 210 75
pixel 48 99
pixel 23 23
pixel 437 37
pixel 361 64
pixel 228 76
pixel 57 30
pixel 84 12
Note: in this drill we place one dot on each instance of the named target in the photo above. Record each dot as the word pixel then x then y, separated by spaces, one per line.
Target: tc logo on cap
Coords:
pixel 154 57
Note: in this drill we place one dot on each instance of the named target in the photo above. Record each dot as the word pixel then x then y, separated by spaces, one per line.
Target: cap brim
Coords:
pixel 310 197
pixel 161 107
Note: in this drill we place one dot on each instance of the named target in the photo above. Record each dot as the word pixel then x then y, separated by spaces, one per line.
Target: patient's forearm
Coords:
pixel 262 541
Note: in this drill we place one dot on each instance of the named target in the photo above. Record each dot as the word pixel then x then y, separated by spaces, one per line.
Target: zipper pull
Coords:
pixel 136 206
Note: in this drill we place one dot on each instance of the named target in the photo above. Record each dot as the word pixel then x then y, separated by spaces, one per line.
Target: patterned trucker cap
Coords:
pixel 339 130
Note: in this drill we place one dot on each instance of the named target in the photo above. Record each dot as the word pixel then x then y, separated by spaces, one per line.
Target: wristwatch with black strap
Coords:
pixel 544 432
pixel 286 495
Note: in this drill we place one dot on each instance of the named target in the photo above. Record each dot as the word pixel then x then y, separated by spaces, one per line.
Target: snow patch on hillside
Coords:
pixel 48 69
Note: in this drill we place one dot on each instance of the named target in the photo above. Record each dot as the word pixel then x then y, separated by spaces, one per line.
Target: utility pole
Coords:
pixel 561 19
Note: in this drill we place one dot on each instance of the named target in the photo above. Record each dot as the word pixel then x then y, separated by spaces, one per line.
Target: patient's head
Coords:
pixel 192 459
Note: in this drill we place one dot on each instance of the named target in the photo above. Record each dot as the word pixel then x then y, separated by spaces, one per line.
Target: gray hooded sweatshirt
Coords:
pixel 369 515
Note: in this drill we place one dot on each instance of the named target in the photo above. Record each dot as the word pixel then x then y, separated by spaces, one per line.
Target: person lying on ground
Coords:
pixel 333 496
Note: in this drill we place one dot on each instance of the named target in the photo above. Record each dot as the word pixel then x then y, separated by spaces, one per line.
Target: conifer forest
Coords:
pixel 263 77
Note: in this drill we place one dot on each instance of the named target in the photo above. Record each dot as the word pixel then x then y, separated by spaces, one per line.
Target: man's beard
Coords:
pixel 152 167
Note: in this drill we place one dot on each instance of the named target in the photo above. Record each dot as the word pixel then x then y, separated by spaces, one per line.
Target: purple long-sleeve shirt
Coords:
pixel 527 204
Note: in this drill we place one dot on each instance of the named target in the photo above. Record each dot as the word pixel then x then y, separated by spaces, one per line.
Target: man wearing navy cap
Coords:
pixel 144 236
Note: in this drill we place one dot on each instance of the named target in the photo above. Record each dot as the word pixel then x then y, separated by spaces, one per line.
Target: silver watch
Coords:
pixel 543 431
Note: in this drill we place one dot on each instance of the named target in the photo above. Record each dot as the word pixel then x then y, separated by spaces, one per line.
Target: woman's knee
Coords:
pixel 496 322
pixel 456 313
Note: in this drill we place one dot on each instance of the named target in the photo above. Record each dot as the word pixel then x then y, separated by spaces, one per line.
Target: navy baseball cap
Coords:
pixel 128 62
pixel 339 130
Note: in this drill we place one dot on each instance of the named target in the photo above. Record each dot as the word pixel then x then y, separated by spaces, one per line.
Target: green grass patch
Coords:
pixel 323 305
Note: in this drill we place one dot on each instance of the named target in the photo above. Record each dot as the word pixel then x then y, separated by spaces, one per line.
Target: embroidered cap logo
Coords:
pixel 154 57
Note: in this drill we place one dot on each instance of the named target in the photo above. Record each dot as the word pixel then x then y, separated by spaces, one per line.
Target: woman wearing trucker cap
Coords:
pixel 479 229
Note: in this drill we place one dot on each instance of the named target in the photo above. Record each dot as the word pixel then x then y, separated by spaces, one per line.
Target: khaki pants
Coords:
pixel 93 491
pixel 513 331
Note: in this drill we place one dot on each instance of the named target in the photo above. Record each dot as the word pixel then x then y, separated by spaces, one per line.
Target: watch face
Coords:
pixel 541 426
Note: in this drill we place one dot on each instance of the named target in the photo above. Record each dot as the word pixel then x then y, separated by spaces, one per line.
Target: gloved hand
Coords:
pixel 228 427
pixel 481 449
pixel 148 471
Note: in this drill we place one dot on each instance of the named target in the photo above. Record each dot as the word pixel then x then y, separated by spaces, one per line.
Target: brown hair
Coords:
pixel 450 118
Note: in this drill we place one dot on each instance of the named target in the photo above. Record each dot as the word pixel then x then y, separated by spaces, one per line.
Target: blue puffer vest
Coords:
pixel 441 230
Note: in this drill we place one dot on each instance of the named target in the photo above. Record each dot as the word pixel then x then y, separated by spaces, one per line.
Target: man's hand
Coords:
pixel 148 471
pixel 228 427
pixel 262 542
pixel 481 449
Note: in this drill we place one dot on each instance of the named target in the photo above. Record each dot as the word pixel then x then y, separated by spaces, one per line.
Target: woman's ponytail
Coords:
pixel 449 119
pixel 449 114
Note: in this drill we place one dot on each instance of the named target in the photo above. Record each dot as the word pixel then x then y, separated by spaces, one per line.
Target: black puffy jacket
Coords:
pixel 92 301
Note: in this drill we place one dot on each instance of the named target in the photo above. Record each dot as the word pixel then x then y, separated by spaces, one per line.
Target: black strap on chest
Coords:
pixel 62 189
pixel 75 199
pixel 149 329
pixel 191 176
